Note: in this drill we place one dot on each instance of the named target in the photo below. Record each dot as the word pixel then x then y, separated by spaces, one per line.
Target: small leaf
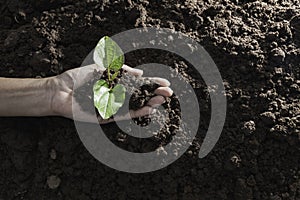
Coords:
pixel 108 101
pixel 108 54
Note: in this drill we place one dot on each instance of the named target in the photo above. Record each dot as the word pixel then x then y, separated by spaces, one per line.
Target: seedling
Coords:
pixel 108 96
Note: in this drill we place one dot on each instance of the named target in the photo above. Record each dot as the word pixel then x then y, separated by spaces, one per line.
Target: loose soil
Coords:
pixel 256 46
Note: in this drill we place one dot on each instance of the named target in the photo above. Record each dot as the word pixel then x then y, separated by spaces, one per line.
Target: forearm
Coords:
pixel 25 97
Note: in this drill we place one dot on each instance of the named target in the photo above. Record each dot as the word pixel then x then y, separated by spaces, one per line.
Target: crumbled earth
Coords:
pixel 256 46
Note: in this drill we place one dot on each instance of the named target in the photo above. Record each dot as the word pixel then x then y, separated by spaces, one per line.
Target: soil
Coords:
pixel 256 46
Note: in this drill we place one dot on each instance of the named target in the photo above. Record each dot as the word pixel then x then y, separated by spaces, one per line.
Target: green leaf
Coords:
pixel 100 89
pixel 108 101
pixel 108 54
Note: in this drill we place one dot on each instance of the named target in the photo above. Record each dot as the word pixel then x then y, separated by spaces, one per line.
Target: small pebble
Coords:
pixel 53 154
pixel 236 160
pixel 278 70
pixel 249 127
pixel 278 53
pixel 53 182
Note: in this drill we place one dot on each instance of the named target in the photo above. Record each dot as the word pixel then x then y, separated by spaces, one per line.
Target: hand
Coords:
pixel 61 102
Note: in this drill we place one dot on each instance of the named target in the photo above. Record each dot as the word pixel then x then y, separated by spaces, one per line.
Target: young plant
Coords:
pixel 108 97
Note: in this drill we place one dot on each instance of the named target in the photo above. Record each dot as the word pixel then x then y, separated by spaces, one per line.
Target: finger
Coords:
pixel 92 119
pixel 144 111
pixel 164 91
pixel 156 101
pixel 160 81
pixel 132 71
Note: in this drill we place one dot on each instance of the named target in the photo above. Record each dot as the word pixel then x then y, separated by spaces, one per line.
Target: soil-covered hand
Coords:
pixel 64 104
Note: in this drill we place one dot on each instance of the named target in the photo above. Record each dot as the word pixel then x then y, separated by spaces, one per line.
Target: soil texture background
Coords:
pixel 256 46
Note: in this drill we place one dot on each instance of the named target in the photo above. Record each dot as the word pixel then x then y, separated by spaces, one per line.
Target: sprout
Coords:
pixel 108 98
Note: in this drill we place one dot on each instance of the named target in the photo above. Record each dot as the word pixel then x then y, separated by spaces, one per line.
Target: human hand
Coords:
pixel 64 104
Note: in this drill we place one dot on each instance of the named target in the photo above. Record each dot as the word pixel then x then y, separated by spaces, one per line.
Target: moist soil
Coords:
pixel 256 46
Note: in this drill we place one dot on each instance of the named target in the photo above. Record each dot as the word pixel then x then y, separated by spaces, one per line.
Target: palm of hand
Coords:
pixel 65 104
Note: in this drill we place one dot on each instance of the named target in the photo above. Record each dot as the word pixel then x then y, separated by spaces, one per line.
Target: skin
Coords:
pixel 53 96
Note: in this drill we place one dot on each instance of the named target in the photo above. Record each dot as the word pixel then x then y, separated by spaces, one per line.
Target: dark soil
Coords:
pixel 256 46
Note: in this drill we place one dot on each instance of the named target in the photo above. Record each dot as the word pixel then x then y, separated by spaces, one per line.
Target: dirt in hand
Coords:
pixel 139 91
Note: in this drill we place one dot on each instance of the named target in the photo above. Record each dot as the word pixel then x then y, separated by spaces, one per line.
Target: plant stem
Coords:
pixel 108 74
pixel 110 80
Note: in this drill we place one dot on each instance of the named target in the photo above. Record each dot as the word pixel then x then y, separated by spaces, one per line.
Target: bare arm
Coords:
pixel 26 97
pixel 53 96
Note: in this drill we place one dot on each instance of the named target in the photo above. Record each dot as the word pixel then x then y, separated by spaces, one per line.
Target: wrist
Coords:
pixel 60 97
pixel 48 88
pixel 53 87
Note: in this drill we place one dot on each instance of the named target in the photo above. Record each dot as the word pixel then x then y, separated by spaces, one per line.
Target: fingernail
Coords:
pixel 168 82
pixel 171 91
pixel 139 72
